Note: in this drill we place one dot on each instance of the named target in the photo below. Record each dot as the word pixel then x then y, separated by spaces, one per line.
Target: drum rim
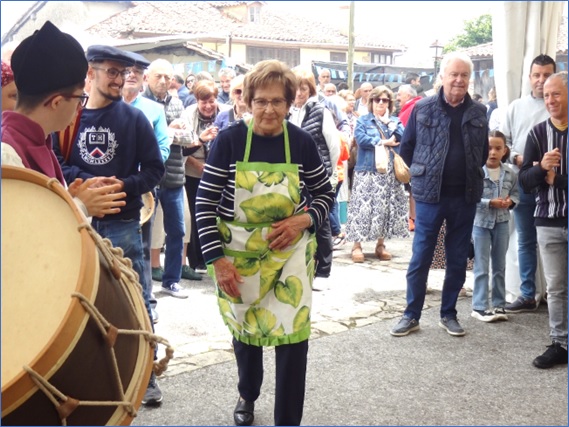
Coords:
pixel 48 361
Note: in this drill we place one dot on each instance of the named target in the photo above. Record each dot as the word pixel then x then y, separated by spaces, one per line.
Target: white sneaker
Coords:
pixel 175 290
pixel 485 316
pixel 500 313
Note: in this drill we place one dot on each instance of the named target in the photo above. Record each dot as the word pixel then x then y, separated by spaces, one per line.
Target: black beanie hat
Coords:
pixel 58 57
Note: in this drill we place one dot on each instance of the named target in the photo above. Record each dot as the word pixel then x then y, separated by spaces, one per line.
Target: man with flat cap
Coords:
pixel 47 105
pixel 116 140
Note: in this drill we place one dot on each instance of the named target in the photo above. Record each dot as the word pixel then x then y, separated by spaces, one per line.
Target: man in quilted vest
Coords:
pixel 445 144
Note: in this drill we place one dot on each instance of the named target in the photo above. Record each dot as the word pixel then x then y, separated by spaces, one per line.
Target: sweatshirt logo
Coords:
pixel 97 146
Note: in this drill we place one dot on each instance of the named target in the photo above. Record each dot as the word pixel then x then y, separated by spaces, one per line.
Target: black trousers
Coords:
pixel 324 250
pixel 194 252
pixel 290 381
pixel 146 240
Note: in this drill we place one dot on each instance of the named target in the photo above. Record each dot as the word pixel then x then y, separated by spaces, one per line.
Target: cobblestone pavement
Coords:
pixel 354 295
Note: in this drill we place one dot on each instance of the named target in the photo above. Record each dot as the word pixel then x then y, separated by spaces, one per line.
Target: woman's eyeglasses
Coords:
pixel 237 91
pixel 277 103
pixel 381 100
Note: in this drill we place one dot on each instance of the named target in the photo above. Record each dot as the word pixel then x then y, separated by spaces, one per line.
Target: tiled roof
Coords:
pixel 486 50
pixel 155 18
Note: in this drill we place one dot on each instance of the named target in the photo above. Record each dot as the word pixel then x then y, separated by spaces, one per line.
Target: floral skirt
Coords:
pixel 378 207
pixel 439 260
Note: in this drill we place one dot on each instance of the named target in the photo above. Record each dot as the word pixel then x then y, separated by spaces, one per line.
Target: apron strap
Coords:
pixel 250 138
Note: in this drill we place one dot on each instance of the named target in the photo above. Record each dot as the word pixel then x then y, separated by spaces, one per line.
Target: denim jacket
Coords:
pixel 367 137
pixel 487 217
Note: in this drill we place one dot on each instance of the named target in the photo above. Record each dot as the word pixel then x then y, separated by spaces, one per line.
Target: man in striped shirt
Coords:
pixel 544 173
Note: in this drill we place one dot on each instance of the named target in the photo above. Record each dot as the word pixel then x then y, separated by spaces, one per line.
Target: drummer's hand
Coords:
pixel 227 277
pixel 100 200
pixel 287 230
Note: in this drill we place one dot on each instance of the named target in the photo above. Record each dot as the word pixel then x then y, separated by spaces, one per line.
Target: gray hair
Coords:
pixel 562 75
pixel 460 56
pixel 227 72
pixel 408 89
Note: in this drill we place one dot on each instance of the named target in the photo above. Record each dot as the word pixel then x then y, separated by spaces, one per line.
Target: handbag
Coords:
pixel 381 158
pixel 402 172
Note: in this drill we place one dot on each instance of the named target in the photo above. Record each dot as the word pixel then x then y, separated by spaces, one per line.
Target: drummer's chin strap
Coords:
pixel 121 269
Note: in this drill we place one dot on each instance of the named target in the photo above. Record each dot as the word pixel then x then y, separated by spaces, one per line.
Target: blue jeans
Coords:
pixel 172 201
pixel 527 243
pixel 553 251
pixel 335 224
pixel 459 218
pixel 127 235
pixel 490 244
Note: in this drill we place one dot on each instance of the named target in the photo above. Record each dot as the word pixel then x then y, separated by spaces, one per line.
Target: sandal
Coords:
pixel 357 254
pixel 381 253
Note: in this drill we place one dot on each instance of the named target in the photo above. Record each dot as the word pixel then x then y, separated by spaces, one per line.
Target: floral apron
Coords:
pixel 276 296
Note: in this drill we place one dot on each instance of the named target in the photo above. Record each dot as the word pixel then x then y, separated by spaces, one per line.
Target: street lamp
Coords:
pixel 435 45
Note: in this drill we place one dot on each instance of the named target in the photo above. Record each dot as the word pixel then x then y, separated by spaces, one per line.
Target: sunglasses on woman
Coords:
pixel 381 100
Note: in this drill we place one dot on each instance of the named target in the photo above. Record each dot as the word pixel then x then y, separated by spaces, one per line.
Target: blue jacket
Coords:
pixel 487 217
pixel 368 136
pixel 425 145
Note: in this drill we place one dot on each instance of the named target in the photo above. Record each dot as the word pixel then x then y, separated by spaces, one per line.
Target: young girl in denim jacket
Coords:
pixel 491 231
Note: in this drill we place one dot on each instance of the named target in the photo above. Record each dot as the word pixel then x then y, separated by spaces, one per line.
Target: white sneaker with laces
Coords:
pixel 175 290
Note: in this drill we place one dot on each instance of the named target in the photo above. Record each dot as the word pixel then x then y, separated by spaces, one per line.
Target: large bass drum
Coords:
pixel 75 347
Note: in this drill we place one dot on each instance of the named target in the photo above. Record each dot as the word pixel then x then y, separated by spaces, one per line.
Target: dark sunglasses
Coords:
pixel 380 100
pixel 237 91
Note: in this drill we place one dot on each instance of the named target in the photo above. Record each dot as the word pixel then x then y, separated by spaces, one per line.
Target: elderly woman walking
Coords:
pixel 378 207
pixel 258 239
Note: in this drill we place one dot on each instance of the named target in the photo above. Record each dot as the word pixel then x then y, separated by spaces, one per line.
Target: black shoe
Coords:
pixel 452 326
pixel 554 355
pixel 521 305
pixel 243 415
pixel 153 395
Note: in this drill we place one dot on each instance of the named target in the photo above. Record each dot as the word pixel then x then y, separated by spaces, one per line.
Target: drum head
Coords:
pixel 41 261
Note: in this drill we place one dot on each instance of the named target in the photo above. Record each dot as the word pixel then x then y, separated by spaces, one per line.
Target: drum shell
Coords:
pixel 77 360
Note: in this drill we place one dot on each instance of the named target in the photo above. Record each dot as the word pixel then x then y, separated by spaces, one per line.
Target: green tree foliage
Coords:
pixel 476 31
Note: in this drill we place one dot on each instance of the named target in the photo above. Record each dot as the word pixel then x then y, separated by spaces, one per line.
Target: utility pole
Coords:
pixel 351 48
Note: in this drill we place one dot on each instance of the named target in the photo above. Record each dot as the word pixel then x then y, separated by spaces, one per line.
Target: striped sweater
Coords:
pixel 216 191
pixel 551 201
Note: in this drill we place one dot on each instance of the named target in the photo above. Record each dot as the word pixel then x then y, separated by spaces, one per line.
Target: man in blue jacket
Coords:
pixel 446 144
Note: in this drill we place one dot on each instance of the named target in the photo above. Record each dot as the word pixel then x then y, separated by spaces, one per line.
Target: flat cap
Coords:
pixel 139 60
pixel 57 56
pixel 108 53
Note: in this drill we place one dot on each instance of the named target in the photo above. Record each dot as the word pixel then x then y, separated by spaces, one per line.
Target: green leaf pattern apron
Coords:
pixel 276 296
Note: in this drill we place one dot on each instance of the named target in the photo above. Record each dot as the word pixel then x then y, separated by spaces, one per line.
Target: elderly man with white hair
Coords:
pixel 445 144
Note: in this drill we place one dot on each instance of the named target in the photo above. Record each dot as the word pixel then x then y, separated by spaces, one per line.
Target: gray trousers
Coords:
pixel 553 250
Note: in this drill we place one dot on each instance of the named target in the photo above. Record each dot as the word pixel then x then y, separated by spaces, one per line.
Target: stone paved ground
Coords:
pixel 355 295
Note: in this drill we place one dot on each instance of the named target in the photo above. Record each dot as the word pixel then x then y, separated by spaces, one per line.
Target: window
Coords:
pixel 255 14
pixel 338 56
pixel 290 57
pixel 381 58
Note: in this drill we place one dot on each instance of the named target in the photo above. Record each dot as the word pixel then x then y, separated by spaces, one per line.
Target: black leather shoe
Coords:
pixel 243 414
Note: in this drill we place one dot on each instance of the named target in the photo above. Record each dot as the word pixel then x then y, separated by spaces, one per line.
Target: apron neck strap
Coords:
pixel 250 138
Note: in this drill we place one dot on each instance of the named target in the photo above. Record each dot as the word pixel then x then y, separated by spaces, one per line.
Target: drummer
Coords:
pixel 47 105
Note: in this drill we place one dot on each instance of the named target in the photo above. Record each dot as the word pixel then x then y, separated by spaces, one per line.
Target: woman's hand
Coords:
pixel 286 231
pixel 209 134
pixel 227 277
pixel 391 142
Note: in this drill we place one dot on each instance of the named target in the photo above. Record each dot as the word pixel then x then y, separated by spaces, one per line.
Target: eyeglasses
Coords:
pixel 264 103
pixel 239 92
pixel 113 73
pixel 380 100
pixel 83 99
pixel 133 70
